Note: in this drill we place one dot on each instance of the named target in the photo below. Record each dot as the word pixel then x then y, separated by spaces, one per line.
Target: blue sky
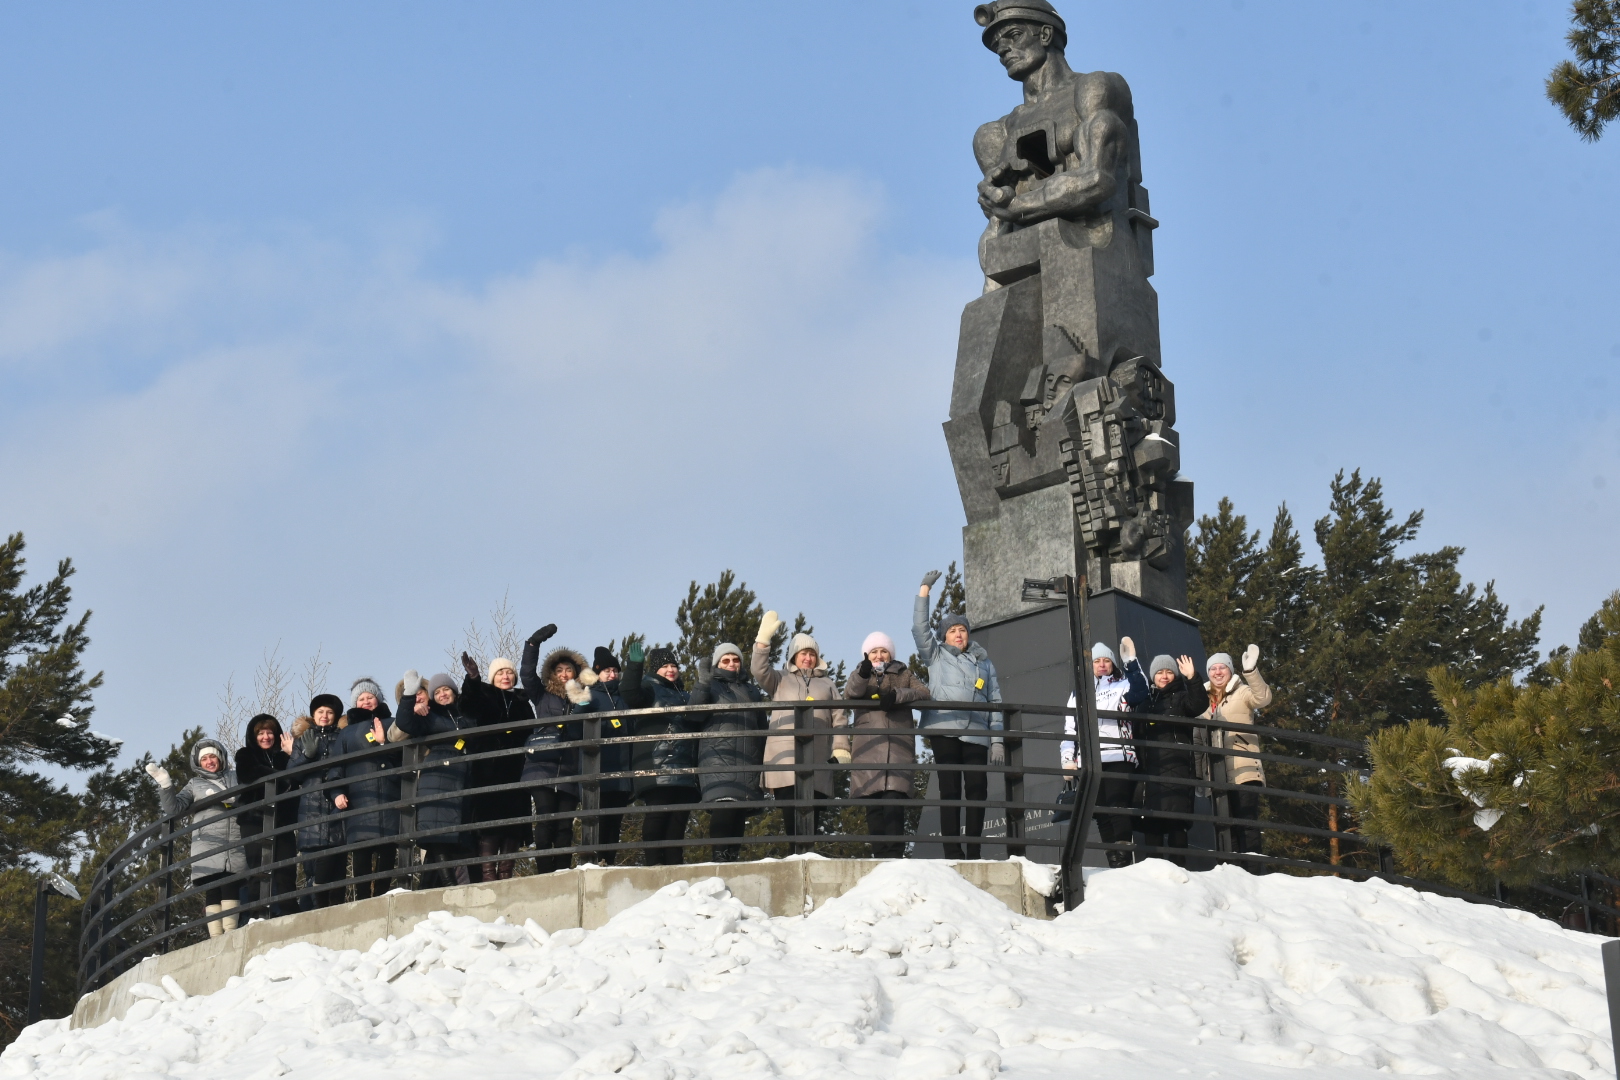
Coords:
pixel 330 326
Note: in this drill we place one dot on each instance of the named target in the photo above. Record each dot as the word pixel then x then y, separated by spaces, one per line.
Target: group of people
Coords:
pixel 531 794
pixel 326 817
pixel 1163 750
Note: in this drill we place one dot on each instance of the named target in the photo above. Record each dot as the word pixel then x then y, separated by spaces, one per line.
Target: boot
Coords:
pixel 229 921
pixel 214 929
pixel 1119 859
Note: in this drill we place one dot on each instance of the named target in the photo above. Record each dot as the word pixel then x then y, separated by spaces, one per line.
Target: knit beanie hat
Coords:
pixel 955 619
pixel 365 684
pixel 330 701
pixel 1220 658
pixel 877 639
pixel 604 659
pixel 1100 651
pixel 661 657
pixel 725 648
pixel 500 663
pixel 800 643
pixel 441 679
pixel 1162 662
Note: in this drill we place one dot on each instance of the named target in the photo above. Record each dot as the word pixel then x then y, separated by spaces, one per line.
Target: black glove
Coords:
pixel 309 741
pixel 705 670
pixel 887 697
pixel 864 668
pixel 543 634
pixel 469 666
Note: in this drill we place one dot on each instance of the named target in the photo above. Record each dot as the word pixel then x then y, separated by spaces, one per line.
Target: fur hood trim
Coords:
pixel 548 669
pixel 304 723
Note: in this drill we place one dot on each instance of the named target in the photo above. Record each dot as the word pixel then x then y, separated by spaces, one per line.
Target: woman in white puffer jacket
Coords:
pixel 1118 761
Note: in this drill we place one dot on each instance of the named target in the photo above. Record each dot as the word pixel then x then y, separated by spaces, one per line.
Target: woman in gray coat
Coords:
pixel 958 670
pixel 217 844
pixel 882 754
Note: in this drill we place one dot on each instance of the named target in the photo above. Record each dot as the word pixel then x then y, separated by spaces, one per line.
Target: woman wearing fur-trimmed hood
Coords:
pixel 546 684
pixel 216 845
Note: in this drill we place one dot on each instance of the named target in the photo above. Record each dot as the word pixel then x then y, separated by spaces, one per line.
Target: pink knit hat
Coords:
pixel 877 639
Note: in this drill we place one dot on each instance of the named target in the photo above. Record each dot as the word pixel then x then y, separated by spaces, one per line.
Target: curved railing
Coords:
pixel 136 907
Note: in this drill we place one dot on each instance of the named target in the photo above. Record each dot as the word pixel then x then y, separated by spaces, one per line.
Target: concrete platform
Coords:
pixel 587 897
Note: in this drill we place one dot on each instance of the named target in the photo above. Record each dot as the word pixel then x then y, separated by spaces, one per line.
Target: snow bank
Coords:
pixel 913 974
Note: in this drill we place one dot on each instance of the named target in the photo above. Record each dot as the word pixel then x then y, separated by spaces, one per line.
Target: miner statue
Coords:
pixel 1061 421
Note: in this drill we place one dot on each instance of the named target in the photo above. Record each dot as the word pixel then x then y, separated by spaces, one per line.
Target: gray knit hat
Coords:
pixel 1100 651
pixel 441 679
pixel 725 648
pixel 1162 662
pixel 1220 658
pixel 954 619
pixel 365 684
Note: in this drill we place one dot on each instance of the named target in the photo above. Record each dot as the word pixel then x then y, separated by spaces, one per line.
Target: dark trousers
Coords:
pixel 375 860
pixel 790 816
pixel 725 824
pixel 1118 789
pixel 888 819
pixel 1246 805
pixel 284 880
pixel 558 833
pixel 609 825
pixel 323 869
pixel 666 824
pixel 974 786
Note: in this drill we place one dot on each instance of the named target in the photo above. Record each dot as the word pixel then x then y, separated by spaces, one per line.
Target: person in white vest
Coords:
pixel 1119 760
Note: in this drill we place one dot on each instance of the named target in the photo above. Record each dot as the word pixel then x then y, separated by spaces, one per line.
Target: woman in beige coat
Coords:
pixel 887 751
pixel 1234 701
pixel 804 678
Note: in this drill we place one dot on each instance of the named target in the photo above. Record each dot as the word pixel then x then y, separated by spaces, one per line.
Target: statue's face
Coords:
pixel 1022 47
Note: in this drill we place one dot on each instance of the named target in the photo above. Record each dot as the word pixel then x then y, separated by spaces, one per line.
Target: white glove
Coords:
pixel 411 683
pixel 768 626
pixel 579 695
pixel 998 754
pixel 1251 657
pixel 1127 649
pixel 159 774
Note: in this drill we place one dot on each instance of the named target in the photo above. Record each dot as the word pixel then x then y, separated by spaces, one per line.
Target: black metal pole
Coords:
pixel 1086 739
pixel 1611 981
pixel 36 973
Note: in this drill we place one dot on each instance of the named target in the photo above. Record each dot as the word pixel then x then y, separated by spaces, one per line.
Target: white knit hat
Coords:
pixel 877 639
pixel 800 643
pixel 500 663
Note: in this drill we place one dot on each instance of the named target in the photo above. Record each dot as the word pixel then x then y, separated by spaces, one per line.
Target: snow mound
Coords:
pixel 913 974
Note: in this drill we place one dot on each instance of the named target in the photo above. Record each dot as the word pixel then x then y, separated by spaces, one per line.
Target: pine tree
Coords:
pixel 1587 88
pixel 725 610
pixel 1520 784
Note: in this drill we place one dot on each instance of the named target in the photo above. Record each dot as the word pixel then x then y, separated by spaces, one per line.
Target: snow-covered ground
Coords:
pixel 913 974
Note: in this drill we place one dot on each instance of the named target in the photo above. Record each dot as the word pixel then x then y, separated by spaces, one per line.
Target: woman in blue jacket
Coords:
pixel 958 670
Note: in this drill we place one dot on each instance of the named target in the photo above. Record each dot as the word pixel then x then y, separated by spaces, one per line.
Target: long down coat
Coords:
pixel 316 827
pixel 884 753
pixel 791 684
pixel 217 843
pixel 493 709
pixel 371 780
pixel 444 771
pixel 739 752
pixel 663 757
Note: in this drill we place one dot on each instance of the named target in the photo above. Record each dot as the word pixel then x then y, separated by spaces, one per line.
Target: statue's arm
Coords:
pixel 988 142
pixel 1101 144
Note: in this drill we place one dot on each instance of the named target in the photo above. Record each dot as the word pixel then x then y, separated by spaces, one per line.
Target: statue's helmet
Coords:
pixel 993 15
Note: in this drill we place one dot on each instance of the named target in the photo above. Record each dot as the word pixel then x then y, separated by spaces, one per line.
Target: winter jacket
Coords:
pixel 791 684
pixel 371 781
pixel 492 709
pixel 644 691
pixel 606 700
pixel 741 754
pixel 316 829
pixel 217 843
pixel 444 770
pixel 549 698
pixel 253 767
pixel 1238 707
pixel 1180 698
pixel 897 748
pixel 956 675
pixel 1110 698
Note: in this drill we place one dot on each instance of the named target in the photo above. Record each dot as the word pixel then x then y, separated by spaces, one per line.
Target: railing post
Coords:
pixel 267 847
pixel 804 783
pixel 103 942
pixel 410 760
pixel 1013 781
pixel 166 832
pixel 1611 982
pixel 590 803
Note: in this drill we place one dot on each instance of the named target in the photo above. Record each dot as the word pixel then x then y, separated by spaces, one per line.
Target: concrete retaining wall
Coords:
pixel 586 897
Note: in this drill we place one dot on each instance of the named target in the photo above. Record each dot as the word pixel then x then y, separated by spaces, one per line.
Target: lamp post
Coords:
pixel 48 884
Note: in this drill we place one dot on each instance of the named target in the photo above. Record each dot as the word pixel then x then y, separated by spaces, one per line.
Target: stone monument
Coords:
pixel 1061 426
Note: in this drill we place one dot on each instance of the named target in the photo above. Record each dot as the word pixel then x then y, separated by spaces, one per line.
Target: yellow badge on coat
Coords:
pixel 615 722
pixel 979 685
pixel 371 736
pixel 461 744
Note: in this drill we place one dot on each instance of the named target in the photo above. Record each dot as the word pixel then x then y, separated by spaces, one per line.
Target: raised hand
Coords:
pixel 1188 668
pixel 543 634
pixel 469 665
pixel 286 744
pixel 768 626
pixel 1127 649
pixel 1251 657
pixel 929 579
pixel 635 654
pixel 864 668
pixel 410 683
pixel 159 774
